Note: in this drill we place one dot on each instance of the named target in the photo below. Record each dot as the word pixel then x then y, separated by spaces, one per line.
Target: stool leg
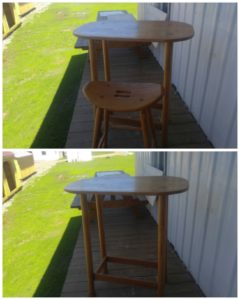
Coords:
pixel 162 207
pixel 101 232
pixel 144 128
pixel 87 245
pixel 97 127
pixel 106 127
pixel 152 127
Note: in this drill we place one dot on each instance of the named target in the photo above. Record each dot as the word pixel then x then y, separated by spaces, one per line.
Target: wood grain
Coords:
pixel 122 230
pixel 122 96
pixel 149 185
pixel 140 31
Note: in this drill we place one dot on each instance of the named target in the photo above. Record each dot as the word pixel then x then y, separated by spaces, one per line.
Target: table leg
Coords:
pixel 87 245
pixel 168 51
pixel 101 232
pixel 162 210
pixel 106 60
pixel 93 60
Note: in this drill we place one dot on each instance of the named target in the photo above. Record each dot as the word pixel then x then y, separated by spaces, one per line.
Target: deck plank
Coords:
pixel 130 66
pixel 129 236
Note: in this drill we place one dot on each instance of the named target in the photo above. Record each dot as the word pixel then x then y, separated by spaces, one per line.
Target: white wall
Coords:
pixel 202 223
pixel 205 68
pixel 47 154
pixel 80 155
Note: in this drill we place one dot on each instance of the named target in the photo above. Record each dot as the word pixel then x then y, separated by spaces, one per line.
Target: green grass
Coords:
pixel 40 229
pixel 42 73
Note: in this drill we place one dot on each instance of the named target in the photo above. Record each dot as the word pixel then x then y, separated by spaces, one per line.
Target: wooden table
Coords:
pixel 161 186
pixel 167 32
pixel 113 15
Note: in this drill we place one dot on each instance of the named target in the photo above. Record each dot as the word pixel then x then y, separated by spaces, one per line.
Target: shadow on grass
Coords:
pixel 54 128
pixel 52 281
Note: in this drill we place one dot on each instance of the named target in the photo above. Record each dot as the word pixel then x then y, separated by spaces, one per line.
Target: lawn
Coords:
pixel 40 229
pixel 42 73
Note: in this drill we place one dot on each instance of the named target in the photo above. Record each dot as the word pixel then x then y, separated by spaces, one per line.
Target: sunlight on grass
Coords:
pixel 42 73
pixel 40 229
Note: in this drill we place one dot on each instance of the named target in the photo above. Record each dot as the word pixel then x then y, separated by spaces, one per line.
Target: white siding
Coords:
pixel 203 222
pixel 78 155
pixel 47 154
pixel 205 68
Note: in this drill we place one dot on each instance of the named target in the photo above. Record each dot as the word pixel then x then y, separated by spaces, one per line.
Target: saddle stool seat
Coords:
pixel 110 97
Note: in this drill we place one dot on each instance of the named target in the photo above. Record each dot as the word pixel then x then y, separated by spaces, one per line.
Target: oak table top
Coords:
pixel 140 31
pixel 122 185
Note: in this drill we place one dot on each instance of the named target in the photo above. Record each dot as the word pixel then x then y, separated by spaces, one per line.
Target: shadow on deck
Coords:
pixel 130 66
pixel 128 236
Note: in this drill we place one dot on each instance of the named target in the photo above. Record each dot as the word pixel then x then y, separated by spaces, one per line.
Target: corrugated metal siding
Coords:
pixel 203 222
pixel 205 68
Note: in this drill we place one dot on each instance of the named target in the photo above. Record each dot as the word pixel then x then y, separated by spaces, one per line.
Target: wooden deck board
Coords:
pixel 130 66
pixel 129 236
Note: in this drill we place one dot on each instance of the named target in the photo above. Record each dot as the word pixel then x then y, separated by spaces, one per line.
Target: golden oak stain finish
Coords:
pixel 161 186
pixel 138 31
pixel 144 185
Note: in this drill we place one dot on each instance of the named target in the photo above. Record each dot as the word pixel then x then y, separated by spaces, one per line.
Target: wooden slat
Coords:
pixel 102 265
pixel 125 280
pixel 129 237
pixel 126 202
pixel 131 261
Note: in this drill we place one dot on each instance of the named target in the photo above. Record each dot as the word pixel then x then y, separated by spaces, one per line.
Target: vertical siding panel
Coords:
pixel 209 238
pixel 232 130
pixel 199 11
pixel 183 202
pixel 205 68
pixel 195 163
pixel 186 50
pixel 227 244
pixel 204 186
pixel 222 48
pixel 175 15
pixel 216 198
pixel 171 170
pixel 208 32
pixel 182 16
pixel 203 221
pixel 228 83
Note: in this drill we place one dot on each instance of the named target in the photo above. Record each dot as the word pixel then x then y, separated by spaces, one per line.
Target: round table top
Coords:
pixel 138 31
pixel 127 185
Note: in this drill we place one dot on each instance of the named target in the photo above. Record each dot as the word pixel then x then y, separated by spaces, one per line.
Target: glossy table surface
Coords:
pixel 140 31
pixel 122 185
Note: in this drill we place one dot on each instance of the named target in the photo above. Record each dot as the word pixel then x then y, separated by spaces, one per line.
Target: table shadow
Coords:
pixel 54 128
pixel 52 281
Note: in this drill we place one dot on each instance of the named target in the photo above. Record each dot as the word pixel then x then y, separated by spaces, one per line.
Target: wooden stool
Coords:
pixel 109 97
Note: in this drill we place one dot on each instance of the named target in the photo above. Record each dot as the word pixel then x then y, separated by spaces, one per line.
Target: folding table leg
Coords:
pixel 87 245
pixel 101 232
pixel 162 210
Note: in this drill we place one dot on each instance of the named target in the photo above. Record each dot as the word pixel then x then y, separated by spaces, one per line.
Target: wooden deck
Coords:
pixel 129 236
pixel 132 66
